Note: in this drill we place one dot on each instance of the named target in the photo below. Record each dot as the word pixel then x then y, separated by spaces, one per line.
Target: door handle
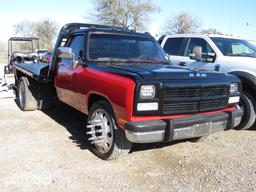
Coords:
pixel 182 63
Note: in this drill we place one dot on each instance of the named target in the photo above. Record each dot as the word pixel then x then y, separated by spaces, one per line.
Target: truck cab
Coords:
pixel 122 80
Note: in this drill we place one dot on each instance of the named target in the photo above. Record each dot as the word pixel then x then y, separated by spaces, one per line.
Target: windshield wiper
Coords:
pixel 134 60
pixel 148 60
pixel 114 59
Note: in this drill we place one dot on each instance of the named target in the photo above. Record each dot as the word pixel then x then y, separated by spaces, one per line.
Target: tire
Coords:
pixel 248 104
pixel 114 142
pixel 26 100
pixel 34 59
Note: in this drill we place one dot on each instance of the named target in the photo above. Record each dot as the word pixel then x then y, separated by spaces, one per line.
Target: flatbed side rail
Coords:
pixel 24 71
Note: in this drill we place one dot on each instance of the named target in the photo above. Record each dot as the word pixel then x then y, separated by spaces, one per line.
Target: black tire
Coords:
pixel 26 100
pixel 19 59
pixel 34 59
pixel 248 104
pixel 120 145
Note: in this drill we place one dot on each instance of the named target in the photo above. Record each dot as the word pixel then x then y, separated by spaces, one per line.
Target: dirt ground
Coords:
pixel 47 151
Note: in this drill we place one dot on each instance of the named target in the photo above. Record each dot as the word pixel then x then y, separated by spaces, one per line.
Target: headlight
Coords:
pixel 234 89
pixel 147 91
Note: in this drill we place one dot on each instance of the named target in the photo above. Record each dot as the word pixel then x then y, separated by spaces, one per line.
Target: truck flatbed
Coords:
pixel 37 71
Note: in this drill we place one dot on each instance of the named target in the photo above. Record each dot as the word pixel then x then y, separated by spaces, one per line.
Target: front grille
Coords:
pixel 182 92
pixel 214 91
pixel 212 104
pixel 194 99
pixel 181 107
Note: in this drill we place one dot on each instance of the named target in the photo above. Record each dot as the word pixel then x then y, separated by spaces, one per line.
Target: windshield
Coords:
pixel 235 47
pixel 115 47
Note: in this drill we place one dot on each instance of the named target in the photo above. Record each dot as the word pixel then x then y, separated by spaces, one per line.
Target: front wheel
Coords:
pixel 107 140
pixel 248 105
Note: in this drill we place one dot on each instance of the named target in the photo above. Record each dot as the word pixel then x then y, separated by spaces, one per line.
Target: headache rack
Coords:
pixel 71 27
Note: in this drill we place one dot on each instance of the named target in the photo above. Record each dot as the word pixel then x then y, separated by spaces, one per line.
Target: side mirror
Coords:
pixel 168 58
pixel 64 52
pixel 196 53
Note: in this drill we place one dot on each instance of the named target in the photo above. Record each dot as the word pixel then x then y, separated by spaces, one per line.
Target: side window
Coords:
pixel 77 44
pixel 206 48
pixel 173 46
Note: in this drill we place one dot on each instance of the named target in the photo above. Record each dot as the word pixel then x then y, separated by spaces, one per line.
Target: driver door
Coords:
pixel 65 80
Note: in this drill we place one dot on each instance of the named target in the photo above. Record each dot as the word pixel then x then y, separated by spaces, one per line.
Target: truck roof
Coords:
pixel 203 35
pixel 23 39
pixel 81 27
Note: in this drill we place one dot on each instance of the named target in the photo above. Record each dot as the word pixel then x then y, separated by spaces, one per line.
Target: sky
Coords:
pixel 228 16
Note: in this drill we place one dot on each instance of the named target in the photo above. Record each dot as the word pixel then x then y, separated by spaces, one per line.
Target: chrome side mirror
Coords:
pixel 196 53
pixel 64 52
pixel 168 58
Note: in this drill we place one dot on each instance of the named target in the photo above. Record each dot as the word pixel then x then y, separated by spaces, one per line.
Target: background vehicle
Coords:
pixel 218 53
pixel 47 57
pixel 22 49
pixel 129 91
pixel 40 53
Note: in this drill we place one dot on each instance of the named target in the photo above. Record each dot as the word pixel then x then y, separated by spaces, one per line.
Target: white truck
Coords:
pixel 222 53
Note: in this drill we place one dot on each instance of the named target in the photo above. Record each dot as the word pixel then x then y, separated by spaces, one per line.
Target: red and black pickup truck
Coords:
pixel 130 91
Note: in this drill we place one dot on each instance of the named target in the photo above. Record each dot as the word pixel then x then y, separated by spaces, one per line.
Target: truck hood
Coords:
pixel 166 72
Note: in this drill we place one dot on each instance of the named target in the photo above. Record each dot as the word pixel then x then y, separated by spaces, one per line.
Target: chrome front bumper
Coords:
pixel 182 128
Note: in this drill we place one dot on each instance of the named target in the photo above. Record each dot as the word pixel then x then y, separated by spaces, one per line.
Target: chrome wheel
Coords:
pixel 100 127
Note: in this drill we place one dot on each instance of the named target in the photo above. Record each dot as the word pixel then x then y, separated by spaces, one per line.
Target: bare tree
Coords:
pixel 211 31
pixel 182 23
pixel 3 52
pixel 45 30
pixel 132 14
pixel 25 28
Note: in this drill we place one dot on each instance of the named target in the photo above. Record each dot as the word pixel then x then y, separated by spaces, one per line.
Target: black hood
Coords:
pixel 149 71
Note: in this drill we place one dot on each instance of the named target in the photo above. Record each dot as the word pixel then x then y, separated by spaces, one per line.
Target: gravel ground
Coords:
pixel 47 151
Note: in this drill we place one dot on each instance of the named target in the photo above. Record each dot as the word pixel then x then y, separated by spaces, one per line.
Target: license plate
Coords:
pixel 201 129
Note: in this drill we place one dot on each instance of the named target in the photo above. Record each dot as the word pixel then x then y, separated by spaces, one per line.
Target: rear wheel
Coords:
pixel 248 105
pixel 107 140
pixel 26 100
